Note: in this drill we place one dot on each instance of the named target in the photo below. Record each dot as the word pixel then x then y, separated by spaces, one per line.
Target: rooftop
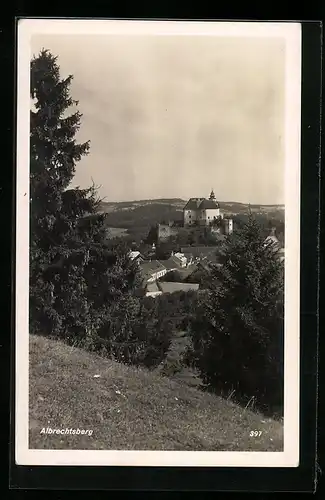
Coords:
pixel 201 204
pixel 171 264
pixel 153 288
pixel 134 254
pixel 150 267
pixel 208 204
pixel 179 255
pixel 171 287
pixel 193 203
pixel 208 253
pixel 272 240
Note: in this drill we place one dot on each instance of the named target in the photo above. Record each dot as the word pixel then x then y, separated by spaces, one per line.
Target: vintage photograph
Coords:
pixel 160 236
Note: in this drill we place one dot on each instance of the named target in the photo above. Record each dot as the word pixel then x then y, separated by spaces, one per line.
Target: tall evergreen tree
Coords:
pixel 54 151
pixel 53 221
pixel 82 288
pixel 75 277
pixel 238 329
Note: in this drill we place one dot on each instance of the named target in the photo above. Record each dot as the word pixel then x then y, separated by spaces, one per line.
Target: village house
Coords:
pixel 152 270
pixel 136 256
pixel 171 265
pixel 171 287
pixel 197 254
pixel 272 239
pixel 156 269
pixel 162 287
pixel 179 259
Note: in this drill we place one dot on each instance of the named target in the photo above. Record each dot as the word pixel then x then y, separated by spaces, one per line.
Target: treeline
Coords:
pixel 86 290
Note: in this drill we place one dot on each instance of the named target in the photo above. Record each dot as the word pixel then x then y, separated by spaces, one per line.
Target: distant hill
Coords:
pixel 142 214
pixel 179 203
pixel 236 208
pixel 131 205
pixel 145 213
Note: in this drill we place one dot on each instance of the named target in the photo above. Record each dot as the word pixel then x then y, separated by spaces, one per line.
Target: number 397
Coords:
pixel 255 433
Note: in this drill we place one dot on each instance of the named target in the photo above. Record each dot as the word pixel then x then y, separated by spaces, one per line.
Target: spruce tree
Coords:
pixel 53 224
pixel 76 280
pixel 237 333
pixel 83 289
pixel 54 151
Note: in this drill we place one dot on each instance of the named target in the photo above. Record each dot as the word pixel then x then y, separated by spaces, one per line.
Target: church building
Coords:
pixel 201 211
pixel 205 212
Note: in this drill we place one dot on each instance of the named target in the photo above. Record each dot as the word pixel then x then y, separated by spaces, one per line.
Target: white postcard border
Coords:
pixel 291 32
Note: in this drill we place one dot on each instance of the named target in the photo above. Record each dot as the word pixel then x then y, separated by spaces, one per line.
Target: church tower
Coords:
pixel 212 196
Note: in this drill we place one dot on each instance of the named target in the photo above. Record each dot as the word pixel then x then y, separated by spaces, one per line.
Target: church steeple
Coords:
pixel 212 195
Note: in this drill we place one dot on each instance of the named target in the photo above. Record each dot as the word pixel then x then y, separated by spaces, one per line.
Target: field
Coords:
pixel 130 408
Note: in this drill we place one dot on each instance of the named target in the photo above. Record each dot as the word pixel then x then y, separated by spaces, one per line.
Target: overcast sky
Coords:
pixel 173 117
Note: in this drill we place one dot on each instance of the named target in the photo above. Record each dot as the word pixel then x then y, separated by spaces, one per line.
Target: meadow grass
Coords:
pixel 131 408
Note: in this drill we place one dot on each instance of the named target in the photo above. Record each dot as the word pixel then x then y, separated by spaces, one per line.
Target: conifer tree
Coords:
pixel 54 151
pixel 53 221
pixel 238 329
pixel 75 277
pixel 82 288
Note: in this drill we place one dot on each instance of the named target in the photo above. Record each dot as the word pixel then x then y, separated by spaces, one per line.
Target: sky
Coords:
pixel 173 117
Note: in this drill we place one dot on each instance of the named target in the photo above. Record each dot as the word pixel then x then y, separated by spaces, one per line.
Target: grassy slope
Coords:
pixel 129 408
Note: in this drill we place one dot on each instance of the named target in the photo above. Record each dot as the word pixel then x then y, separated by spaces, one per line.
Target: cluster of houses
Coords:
pixel 153 269
pixel 184 262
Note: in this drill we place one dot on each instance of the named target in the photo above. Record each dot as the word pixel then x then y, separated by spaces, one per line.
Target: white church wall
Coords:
pixel 211 213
